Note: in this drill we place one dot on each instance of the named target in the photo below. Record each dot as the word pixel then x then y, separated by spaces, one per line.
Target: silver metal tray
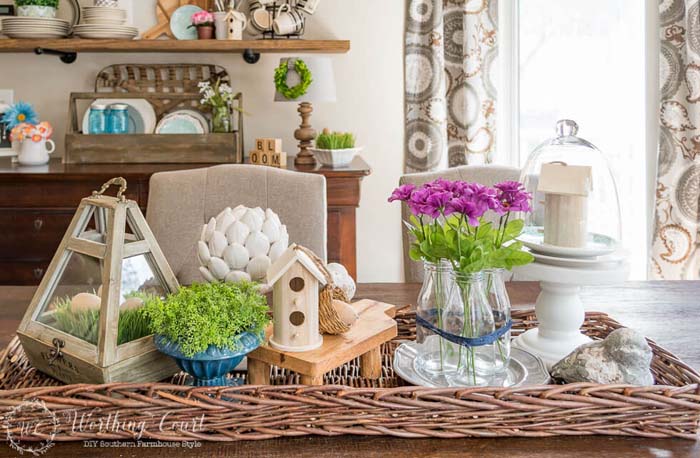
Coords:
pixel 524 368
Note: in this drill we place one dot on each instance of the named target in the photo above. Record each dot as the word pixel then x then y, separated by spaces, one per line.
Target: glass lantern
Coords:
pixel 85 323
pixel 585 214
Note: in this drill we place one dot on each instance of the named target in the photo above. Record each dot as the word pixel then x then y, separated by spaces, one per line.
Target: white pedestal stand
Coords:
pixel 559 308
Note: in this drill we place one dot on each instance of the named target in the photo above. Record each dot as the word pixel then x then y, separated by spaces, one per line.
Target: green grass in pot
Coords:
pixel 85 324
pixel 201 315
pixel 335 140
pixel 50 3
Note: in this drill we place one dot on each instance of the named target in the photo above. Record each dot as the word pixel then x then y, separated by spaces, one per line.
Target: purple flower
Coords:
pixel 484 198
pixel 467 207
pixel 419 205
pixel 513 197
pixel 438 200
pixel 402 193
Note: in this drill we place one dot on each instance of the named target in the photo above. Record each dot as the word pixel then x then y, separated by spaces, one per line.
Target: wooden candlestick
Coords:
pixel 305 134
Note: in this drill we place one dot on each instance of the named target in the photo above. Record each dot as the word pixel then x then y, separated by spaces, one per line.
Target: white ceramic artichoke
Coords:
pixel 241 244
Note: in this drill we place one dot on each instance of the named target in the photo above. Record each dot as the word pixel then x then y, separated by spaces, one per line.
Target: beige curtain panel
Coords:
pixel 450 82
pixel 675 254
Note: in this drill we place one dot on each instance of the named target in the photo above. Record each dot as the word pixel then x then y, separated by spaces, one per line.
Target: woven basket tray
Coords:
pixel 350 404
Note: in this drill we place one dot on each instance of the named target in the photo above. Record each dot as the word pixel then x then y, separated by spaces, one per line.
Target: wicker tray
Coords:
pixel 349 404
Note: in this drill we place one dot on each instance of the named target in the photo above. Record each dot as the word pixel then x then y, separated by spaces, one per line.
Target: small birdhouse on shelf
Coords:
pixel 296 280
pixel 566 189
pixel 85 323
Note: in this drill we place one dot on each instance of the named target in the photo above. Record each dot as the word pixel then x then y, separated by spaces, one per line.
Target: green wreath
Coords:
pixel 300 89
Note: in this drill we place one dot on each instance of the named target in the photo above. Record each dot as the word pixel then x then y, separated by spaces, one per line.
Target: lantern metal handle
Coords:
pixel 119 181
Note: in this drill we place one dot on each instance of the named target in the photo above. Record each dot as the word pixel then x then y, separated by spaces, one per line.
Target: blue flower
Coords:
pixel 18 113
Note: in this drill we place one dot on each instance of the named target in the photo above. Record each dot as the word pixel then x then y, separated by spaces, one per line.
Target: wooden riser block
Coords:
pixel 374 327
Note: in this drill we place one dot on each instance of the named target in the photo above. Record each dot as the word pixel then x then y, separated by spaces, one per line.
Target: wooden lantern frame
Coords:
pixel 69 358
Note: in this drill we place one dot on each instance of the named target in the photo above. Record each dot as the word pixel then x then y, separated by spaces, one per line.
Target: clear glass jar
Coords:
pixel 469 315
pixel 118 119
pixel 432 299
pixel 221 120
pixel 97 120
pixel 500 305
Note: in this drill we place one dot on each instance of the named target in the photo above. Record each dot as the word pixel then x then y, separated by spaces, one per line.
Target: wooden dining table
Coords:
pixel 667 312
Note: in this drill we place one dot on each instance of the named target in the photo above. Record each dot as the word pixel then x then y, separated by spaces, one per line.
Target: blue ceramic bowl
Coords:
pixel 209 368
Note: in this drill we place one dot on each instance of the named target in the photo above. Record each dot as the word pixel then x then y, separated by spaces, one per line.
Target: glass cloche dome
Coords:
pixel 576 210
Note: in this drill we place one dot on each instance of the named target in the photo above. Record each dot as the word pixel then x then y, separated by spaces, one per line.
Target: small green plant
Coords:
pixel 51 3
pixel 201 315
pixel 84 324
pixel 335 140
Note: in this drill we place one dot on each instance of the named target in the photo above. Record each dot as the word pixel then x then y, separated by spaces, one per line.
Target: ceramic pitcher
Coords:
pixel 35 153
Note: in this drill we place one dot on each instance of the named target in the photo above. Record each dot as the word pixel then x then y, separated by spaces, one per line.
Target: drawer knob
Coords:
pixel 38 224
pixel 38 273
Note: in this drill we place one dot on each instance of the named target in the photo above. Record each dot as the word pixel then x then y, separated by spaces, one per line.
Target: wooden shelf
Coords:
pixel 178 46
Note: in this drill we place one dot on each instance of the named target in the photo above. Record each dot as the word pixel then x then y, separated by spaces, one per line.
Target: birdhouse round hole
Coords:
pixel 297 318
pixel 296 284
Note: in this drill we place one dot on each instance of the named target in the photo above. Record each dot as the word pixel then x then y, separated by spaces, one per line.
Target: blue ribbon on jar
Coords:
pixel 466 341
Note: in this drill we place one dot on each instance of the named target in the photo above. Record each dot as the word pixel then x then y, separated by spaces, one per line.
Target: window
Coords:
pixel 582 60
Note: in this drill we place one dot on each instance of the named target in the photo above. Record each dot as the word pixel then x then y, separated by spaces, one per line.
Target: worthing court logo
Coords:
pixel 31 427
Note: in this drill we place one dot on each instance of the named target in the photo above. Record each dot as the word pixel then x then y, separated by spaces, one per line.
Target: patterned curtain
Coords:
pixel 450 82
pixel 675 254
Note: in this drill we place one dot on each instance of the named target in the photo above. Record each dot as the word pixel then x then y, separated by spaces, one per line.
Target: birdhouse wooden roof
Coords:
pixel 571 180
pixel 293 255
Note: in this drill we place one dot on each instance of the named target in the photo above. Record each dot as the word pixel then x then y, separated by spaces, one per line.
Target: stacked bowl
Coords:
pixel 101 22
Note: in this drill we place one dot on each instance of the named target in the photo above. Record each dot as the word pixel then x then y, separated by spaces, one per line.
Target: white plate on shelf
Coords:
pixel 183 122
pixel 142 116
pixel 524 368
pixel 597 245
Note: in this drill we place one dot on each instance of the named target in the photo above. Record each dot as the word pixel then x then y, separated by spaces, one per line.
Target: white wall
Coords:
pixel 370 103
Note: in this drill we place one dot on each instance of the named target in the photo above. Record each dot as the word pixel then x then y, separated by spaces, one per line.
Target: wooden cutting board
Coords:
pixel 164 9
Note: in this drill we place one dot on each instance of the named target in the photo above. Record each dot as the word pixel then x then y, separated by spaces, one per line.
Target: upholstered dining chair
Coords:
pixel 181 202
pixel 487 175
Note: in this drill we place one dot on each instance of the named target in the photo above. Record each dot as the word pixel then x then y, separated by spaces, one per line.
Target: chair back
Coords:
pixel 181 202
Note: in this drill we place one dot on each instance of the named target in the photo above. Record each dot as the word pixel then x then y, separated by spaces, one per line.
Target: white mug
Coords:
pixel 308 6
pixel 260 18
pixel 288 21
pixel 35 153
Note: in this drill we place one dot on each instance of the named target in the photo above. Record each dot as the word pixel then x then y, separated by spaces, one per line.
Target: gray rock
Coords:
pixel 623 357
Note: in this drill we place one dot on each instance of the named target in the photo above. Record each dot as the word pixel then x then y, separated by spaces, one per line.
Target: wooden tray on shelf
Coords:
pixel 167 87
pixel 351 404
pixel 150 148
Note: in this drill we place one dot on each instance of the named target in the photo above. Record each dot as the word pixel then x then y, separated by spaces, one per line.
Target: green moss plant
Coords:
pixel 335 140
pixel 201 315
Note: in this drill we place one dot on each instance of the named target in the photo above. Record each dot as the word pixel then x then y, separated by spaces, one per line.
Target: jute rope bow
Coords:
pixel 328 320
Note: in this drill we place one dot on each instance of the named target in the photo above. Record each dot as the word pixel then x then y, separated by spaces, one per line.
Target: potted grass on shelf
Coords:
pixel 37 8
pixel 208 328
pixel 335 149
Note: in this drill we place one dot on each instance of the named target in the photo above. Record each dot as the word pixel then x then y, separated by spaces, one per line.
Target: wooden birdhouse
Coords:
pixel 296 280
pixel 235 24
pixel 86 321
pixel 566 189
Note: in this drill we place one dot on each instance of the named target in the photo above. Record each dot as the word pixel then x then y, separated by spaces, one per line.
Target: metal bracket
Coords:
pixel 251 56
pixel 66 57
